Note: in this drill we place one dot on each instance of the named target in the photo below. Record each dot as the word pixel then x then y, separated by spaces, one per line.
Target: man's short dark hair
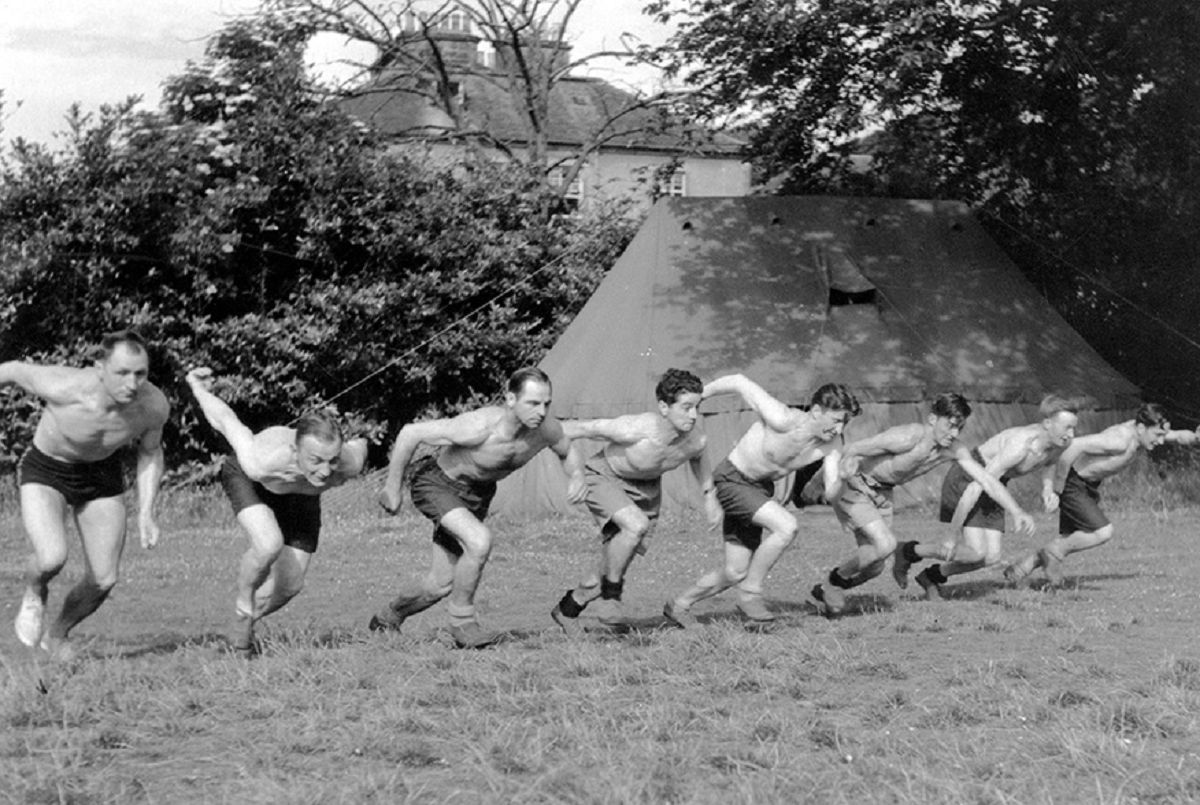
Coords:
pixel 319 425
pixel 1152 415
pixel 836 397
pixel 951 405
pixel 675 382
pixel 527 374
pixel 1056 403
pixel 131 339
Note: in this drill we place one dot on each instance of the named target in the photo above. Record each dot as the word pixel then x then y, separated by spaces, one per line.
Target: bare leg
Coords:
pixel 1056 550
pixel 732 571
pixel 875 544
pixel 284 582
pixel 420 594
pixel 101 526
pixel 976 548
pixel 451 576
pixel 266 541
pixel 43 513
pixel 476 541
pixel 607 582
pixel 781 529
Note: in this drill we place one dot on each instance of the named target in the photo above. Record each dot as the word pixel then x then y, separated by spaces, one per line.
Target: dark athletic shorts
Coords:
pixel 298 516
pixel 1079 506
pixel 436 494
pixel 740 499
pixel 986 513
pixel 608 493
pixel 78 482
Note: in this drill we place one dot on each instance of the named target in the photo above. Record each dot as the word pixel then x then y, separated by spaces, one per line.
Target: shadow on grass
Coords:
pixel 160 643
pixel 1088 582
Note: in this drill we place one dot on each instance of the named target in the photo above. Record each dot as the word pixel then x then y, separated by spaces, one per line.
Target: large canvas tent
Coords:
pixel 898 299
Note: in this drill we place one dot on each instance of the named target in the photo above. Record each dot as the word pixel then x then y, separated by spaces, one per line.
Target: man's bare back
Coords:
pixel 1097 467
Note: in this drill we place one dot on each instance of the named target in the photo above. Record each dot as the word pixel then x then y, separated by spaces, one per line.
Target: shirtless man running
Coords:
pixel 454 488
pixel 274 480
pixel 869 471
pixel 781 442
pixel 73 467
pixel 1009 454
pixel 1081 468
pixel 624 488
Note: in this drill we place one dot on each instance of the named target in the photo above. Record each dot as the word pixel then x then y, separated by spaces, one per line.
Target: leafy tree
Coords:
pixel 252 226
pixel 1071 126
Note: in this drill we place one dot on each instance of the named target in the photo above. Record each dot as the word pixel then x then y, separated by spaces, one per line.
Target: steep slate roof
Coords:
pixel 578 108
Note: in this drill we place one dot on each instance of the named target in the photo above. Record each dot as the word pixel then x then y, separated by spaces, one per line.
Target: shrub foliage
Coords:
pixel 252 226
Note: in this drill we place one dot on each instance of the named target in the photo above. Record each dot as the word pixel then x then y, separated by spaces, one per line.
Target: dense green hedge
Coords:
pixel 251 226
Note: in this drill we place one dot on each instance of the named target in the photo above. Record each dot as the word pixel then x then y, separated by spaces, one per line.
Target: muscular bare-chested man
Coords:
pixel 1080 470
pixel 1009 454
pixel 781 442
pixel 624 488
pixel 869 471
pixel 274 480
pixel 73 467
pixel 454 488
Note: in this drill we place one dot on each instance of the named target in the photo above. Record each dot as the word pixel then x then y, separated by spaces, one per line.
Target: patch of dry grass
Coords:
pixel 1089 693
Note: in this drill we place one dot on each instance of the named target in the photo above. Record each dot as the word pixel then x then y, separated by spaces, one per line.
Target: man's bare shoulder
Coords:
pixel 156 406
pixel 642 426
pixel 64 385
pixel 1120 435
pixel 487 415
pixel 794 420
pixel 551 430
pixel 272 449
pixel 1019 434
pixel 904 437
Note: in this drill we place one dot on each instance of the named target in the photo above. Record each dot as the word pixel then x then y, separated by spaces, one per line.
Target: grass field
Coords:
pixel 1087 693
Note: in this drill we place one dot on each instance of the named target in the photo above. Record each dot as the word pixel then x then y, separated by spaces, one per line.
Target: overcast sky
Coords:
pixel 56 52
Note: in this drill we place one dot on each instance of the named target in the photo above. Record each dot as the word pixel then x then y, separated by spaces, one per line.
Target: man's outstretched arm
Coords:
pixel 775 414
pixel 221 417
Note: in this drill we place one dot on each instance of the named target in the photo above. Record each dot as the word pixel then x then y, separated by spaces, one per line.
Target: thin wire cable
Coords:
pixel 456 322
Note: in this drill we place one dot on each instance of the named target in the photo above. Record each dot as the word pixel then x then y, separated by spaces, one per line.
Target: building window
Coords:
pixel 673 185
pixel 457 21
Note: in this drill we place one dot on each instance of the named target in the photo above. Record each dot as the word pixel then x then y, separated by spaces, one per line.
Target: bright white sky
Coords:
pixel 56 52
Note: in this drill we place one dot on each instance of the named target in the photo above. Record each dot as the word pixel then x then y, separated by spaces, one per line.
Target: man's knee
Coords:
pixel 735 574
pixel 991 556
pixel 967 555
pixel 50 562
pixel 885 544
pixel 477 550
pixel 784 533
pixel 636 525
pixel 1103 535
pixel 265 551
